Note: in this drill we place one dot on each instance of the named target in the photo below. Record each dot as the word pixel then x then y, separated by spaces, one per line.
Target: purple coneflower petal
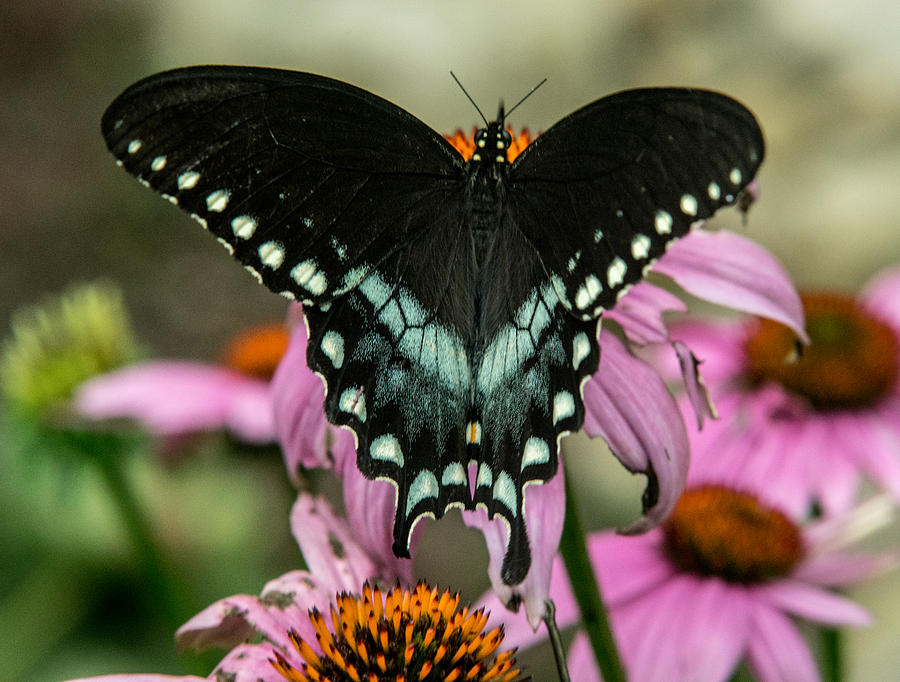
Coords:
pixel 141 678
pixel 299 417
pixel 628 405
pixel 250 663
pixel 544 514
pixel 175 398
pixel 640 313
pixel 882 296
pixel 730 270
pixel 813 603
pixel 581 660
pixel 777 651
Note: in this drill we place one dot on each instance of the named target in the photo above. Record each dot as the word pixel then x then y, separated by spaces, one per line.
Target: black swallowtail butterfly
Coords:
pixel 453 306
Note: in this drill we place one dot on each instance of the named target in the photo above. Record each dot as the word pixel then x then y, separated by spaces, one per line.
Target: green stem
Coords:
pixel 161 582
pixel 587 593
pixel 832 655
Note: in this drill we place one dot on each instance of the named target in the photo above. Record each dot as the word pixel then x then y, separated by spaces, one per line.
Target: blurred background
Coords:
pixel 823 79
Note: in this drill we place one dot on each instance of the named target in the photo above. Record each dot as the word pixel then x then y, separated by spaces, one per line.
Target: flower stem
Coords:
pixel 587 593
pixel 161 583
pixel 832 655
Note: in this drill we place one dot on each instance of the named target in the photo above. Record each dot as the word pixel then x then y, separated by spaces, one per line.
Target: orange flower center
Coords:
pixel 851 360
pixel 257 351
pixel 716 531
pixel 465 144
pixel 401 636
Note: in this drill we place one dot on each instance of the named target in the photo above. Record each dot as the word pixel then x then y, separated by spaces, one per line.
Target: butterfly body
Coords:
pixel 452 305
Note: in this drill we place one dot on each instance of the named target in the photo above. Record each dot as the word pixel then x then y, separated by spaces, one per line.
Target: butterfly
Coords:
pixel 452 305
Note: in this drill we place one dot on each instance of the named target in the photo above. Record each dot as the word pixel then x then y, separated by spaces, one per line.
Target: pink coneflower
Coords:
pixel 720 582
pixel 626 403
pixel 330 623
pixel 809 423
pixel 175 398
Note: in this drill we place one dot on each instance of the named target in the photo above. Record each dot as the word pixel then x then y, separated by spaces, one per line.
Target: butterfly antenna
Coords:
pixel 528 94
pixel 470 98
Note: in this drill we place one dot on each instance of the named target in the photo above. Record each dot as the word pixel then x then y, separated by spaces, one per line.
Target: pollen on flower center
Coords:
pixel 716 531
pixel 257 351
pixel 400 636
pixel 851 361
pixel 465 144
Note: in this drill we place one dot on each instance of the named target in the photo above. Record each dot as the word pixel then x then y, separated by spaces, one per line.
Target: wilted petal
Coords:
pixel 640 313
pixel 299 396
pixel 175 398
pixel 628 405
pixel 730 270
pixel 777 651
pixel 250 663
pixel 329 547
pixel 544 514
pixel 233 620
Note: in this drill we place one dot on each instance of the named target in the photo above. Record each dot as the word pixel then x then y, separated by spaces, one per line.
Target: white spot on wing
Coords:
pixel 615 273
pixel 714 191
pixel 218 200
pixel 485 476
pixel 333 347
pixel 640 246
pixel 135 146
pixel 158 163
pixel 422 488
pixel 228 247
pixel 188 180
pixel 307 276
pixel 536 452
pixel 271 254
pixel 735 176
pixel 688 204
pixel 505 493
pixel 581 348
pixel 663 222
pixel 387 449
pixel 563 406
pixel 243 226
pixel 353 401
pixel 454 474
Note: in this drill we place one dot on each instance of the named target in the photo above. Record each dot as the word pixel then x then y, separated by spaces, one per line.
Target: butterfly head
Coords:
pixel 492 143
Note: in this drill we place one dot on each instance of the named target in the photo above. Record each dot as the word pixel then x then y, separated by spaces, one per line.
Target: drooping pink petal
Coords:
pixel 718 345
pixel 628 405
pixel 640 313
pixel 298 396
pixel 777 651
pixel 370 509
pixel 544 514
pixel 694 386
pixel 730 270
pixel 882 296
pixel 813 603
pixel 175 398
pixel 329 547
pixel 836 570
